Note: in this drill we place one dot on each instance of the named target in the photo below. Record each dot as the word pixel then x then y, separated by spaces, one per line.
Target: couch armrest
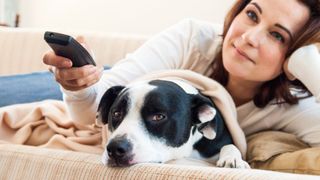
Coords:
pixel 22 49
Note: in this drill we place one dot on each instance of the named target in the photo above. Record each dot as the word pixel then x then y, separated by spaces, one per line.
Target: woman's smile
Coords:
pixel 241 54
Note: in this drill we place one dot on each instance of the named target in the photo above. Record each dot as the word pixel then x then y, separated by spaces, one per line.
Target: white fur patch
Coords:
pixel 208 132
pixel 207 113
pixel 186 87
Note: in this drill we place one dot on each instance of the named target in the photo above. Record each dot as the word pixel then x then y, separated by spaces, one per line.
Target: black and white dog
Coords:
pixel 162 120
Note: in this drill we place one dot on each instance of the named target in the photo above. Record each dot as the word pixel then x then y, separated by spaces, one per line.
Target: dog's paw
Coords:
pixel 232 162
pixel 230 157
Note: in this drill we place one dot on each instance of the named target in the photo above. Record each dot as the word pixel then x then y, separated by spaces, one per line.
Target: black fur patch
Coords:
pixel 170 100
pixel 112 101
pixel 120 106
pixel 208 148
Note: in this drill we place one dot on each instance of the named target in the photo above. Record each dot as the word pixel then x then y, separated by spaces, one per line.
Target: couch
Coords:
pixel 21 52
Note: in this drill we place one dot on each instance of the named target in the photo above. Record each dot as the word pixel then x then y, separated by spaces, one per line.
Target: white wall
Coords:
pixel 8 10
pixel 1 11
pixel 133 16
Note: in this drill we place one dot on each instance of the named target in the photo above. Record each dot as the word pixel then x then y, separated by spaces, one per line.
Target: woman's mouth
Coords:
pixel 242 54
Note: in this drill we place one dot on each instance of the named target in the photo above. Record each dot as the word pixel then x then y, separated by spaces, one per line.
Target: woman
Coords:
pixel 251 62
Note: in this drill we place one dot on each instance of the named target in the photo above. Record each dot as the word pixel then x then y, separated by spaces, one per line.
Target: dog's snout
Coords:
pixel 119 148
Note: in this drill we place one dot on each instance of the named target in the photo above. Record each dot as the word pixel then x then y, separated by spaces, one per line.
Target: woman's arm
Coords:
pixel 168 50
pixel 303 119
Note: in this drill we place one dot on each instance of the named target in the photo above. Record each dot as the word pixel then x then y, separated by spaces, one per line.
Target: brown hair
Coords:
pixel 279 87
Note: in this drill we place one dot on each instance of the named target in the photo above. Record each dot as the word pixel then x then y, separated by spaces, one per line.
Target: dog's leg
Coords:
pixel 230 157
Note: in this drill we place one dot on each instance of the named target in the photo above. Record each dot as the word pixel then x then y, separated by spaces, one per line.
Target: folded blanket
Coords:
pixel 47 124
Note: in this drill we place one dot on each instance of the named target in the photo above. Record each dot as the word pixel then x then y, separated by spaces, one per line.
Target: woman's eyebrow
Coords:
pixel 285 29
pixel 257 6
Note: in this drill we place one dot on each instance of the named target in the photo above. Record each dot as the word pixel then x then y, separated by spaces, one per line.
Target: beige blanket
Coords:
pixel 47 124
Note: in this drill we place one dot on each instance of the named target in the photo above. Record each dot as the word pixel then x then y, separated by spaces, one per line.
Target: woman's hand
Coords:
pixel 72 78
pixel 302 53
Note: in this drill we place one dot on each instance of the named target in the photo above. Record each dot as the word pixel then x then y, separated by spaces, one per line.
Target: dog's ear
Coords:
pixel 105 104
pixel 207 126
pixel 204 113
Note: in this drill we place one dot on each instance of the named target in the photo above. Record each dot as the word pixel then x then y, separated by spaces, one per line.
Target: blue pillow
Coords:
pixel 26 88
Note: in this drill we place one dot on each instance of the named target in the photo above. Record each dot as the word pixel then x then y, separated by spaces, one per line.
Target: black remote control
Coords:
pixel 68 47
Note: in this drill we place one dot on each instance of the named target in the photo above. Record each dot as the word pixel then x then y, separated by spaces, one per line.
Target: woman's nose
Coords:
pixel 254 37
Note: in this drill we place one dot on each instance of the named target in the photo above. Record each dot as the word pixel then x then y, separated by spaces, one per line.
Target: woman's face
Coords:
pixel 255 45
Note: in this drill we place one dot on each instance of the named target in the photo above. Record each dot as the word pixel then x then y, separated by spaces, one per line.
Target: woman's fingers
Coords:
pixel 85 79
pixel 75 73
pixel 51 59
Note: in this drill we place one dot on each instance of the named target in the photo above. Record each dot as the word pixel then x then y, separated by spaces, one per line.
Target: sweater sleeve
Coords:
pixel 304 64
pixel 303 119
pixel 167 50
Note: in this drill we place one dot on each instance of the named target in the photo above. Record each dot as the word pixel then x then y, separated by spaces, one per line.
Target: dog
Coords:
pixel 161 120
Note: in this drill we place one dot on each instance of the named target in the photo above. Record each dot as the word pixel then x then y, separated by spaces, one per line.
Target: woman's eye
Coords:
pixel 158 117
pixel 278 36
pixel 252 15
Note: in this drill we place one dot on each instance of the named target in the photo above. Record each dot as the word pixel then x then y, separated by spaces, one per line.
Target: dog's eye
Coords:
pixel 116 115
pixel 158 117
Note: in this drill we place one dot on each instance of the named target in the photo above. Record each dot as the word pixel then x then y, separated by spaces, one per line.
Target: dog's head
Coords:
pixel 154 121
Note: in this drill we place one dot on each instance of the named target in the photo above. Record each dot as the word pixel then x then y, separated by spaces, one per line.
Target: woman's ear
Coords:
pixel 286 71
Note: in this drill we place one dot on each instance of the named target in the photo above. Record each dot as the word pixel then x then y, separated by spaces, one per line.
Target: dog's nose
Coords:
pixel 119 148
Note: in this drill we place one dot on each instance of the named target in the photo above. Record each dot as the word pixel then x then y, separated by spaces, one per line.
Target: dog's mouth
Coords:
pixel 121 162
pixel 127 161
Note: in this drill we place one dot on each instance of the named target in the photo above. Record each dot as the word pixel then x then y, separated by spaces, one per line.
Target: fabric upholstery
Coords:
pixel 26 162
pixel 22 49
pixel 279 151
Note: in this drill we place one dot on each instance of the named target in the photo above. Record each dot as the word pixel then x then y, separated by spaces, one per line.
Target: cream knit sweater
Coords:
pixel 192 45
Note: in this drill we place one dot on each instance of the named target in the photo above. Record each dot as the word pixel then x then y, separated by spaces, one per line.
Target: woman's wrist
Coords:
pixel 77 95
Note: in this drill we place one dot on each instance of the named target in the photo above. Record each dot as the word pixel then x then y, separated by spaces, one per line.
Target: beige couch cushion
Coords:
pixel 27 162
pixel 279 151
